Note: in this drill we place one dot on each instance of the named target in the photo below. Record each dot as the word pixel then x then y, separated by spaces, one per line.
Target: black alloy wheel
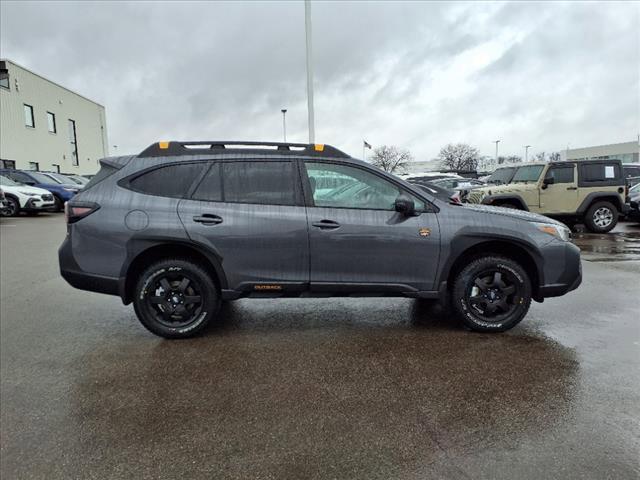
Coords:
pixel 175 298
pixel 491 294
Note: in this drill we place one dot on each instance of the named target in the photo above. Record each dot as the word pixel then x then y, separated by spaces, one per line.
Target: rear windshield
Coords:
pixel 528 174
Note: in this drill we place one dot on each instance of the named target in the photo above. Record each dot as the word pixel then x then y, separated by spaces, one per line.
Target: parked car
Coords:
pixel 631 173
pixel 61 192
pixel 79 179
pixel 23 198
pixel 634 203
pixel 4 205
pixel 591 191
pixel 188 225
pixel 457 184
pixel 64 179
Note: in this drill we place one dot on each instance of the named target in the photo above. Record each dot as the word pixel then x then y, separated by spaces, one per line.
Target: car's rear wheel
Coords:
pixel 491 294
pixel 601 217
pixel 13 208
pixel 176 298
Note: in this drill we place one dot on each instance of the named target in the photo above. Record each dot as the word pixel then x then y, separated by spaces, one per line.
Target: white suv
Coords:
pixel 24 198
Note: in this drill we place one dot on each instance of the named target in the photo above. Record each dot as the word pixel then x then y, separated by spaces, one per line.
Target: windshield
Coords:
pixel 61 178
pixel 528 174
pixel 42 178
pixel 8 182
pixel 502 175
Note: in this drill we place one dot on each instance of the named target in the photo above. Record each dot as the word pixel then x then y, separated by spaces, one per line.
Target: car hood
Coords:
pixel 25 188
pixel 510 212
pixel 509 188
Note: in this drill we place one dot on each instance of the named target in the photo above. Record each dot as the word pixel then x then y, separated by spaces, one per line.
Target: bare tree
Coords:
pixel 509 159
pixel 390 159
pixel 554 157
pixel 459 156
pixel 540 157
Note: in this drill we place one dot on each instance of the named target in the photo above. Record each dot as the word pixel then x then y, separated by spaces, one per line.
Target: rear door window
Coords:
pixel 169 181
pixel 600 172
pixel 265 183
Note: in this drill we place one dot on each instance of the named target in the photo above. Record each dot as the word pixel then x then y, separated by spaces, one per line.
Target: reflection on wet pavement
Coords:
pixel 619 245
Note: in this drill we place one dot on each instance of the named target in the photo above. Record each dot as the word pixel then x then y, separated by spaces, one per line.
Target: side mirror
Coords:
pixel 548 181
pixel 405 206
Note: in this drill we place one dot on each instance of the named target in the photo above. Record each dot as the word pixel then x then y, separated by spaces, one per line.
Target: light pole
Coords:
pixel 307 28
pixel 284 124
pixel 526 153
pixel 496 142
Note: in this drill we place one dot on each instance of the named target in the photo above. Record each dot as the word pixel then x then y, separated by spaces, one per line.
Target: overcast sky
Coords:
pixel 416 75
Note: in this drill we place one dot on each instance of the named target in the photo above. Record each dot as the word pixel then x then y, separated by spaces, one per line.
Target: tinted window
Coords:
pixel 268 183
pixel 502 175
pixel 631 172
pixel 210 188
pixel 169 181
pixel 600 172
pixel 561 175
pixel 355 188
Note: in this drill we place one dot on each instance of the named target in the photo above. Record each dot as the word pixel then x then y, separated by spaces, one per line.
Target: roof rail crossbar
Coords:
pixel 174 148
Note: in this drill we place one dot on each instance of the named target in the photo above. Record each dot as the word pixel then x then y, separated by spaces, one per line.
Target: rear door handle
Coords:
pixel 572 188
pixel 326 224
pixel 207 219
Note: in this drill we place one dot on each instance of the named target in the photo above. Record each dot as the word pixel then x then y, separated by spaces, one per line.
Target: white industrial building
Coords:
pixel 627 152
pixel 45 126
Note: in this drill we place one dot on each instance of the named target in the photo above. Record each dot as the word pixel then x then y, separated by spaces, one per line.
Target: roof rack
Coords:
pixel 174 149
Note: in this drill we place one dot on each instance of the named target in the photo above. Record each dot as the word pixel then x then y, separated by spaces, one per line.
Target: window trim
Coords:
pixel 55 124
pixel 33 116
pixel 430 207
pixel 297 190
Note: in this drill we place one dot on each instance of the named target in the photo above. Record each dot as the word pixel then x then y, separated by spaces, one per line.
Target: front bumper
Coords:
pixel 37 204
pixel 562 269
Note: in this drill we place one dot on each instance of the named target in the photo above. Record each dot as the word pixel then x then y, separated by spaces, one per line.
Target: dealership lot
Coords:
pixel 322 388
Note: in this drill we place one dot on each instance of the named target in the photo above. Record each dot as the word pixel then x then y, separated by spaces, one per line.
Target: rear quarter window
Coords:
pixel 168 181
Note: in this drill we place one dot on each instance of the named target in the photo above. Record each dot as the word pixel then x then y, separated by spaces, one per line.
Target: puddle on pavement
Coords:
pixel 609 247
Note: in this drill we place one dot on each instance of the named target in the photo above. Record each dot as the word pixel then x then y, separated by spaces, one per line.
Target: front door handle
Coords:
pixel 207 219
pixel 572 188
pixel 326 224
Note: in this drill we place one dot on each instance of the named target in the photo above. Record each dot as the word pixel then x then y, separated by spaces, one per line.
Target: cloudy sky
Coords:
pixel 417 75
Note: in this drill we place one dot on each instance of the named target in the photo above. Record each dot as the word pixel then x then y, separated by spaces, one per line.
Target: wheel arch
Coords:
pixel 496 200
pixel 594 197
pixel 466 251
pixel 146 252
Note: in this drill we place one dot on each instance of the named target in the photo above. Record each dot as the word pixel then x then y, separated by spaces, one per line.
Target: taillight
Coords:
pixel 74 211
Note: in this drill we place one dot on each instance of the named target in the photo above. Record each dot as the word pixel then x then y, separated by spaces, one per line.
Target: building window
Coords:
pixel 34 166
pixel 73 142
pixel 4 75
pixel 28 116
pixel 56 167
pixel 8 164
pixel 51 122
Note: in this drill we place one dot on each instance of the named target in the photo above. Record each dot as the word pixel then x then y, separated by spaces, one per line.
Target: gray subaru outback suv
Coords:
pixel 183 226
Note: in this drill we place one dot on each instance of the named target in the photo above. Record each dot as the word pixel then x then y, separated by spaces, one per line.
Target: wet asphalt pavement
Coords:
pixel 327 388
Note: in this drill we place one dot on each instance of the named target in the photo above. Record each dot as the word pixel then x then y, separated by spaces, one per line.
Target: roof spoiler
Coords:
pixel 174 149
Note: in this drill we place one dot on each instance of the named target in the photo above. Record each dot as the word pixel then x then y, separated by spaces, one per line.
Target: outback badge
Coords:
pixel 424 232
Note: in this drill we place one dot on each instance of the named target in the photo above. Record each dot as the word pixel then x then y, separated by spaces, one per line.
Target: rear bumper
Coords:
pixel 563 270
pixel 76 277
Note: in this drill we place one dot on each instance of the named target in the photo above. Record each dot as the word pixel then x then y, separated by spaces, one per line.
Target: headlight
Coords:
pixel 28 194
pixel 558 231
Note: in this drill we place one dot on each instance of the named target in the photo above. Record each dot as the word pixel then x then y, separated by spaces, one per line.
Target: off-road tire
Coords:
pixel 599 225
pixel 518 301
pixel 153 314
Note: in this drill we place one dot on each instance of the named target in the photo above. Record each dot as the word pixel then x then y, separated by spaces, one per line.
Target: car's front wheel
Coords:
pixel 176 298
pixel 491 294
pixel 13 208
